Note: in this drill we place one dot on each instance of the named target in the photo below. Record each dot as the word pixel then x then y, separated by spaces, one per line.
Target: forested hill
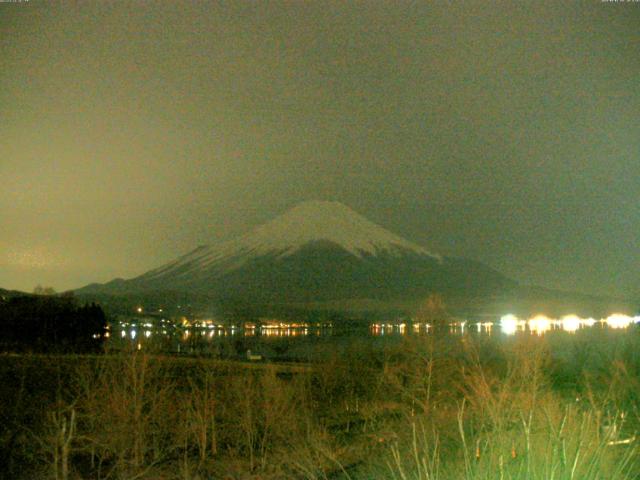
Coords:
pixel 41 323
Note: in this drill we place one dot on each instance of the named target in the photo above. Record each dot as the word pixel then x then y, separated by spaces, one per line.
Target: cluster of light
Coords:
pixel 571 323
pixel 510 324
pixel 378 329
pixel 421 327
pixel 486 326
pixel 203 333
pixel 540 324
pixel 208 323
pixel 284 332
pixel 618 320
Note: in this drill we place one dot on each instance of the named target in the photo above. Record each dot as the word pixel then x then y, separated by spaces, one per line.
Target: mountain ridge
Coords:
pixel 316 250
pixel 307 222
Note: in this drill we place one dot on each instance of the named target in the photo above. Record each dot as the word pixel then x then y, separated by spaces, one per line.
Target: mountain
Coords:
pixel 7 294
pixel 317 251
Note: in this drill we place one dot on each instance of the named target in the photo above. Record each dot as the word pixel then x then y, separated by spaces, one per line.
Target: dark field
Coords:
pixel 562 406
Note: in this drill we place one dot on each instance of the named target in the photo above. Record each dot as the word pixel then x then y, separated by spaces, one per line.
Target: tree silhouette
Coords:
pixel 433 311
pixel 40 290
pixel 47 323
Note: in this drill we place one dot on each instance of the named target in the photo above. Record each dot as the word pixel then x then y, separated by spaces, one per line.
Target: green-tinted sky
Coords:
pixel 130 132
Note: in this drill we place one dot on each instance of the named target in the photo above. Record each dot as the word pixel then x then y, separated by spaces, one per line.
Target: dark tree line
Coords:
pixel 50 324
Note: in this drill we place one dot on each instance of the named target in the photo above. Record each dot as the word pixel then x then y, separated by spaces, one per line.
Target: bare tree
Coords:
pixel 433 311
pixel 40 290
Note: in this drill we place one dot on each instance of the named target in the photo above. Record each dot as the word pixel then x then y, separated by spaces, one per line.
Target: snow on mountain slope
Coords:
pixel 317 251
pixel 312 221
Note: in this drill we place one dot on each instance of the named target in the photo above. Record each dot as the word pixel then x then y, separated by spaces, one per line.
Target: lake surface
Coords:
pixel 300 342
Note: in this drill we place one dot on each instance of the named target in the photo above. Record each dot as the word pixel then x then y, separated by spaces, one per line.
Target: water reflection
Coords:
pixel 208 337
pixel 571 323
pixel 295 330
pixel 540 324
pixel 621 321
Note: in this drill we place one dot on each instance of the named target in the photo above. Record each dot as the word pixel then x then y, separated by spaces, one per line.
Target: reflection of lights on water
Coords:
pixel 509 324
pixel 617 320
pixel 540 324
pixel 487 326
pixel 571 323
pixel 285 330
pixel 380 329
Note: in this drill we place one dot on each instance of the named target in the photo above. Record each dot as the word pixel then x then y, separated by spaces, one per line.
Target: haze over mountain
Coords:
pixel 316 251
pixel 508 134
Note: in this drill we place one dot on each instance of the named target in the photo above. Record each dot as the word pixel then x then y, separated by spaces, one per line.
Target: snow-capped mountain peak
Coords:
pixel 312 221
pixel 330 221
pixel 317 251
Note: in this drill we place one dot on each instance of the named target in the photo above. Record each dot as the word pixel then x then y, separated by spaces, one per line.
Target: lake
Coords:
pixel 300 342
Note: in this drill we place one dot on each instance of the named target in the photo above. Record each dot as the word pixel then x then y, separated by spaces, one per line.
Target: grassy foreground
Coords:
pixel 558 407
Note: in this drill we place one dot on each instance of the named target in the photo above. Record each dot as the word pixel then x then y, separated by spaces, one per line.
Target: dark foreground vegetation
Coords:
pixel 48 323
pixel 558 407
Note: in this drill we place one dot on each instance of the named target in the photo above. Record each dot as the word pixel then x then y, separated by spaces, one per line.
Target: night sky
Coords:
pixel 131 132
